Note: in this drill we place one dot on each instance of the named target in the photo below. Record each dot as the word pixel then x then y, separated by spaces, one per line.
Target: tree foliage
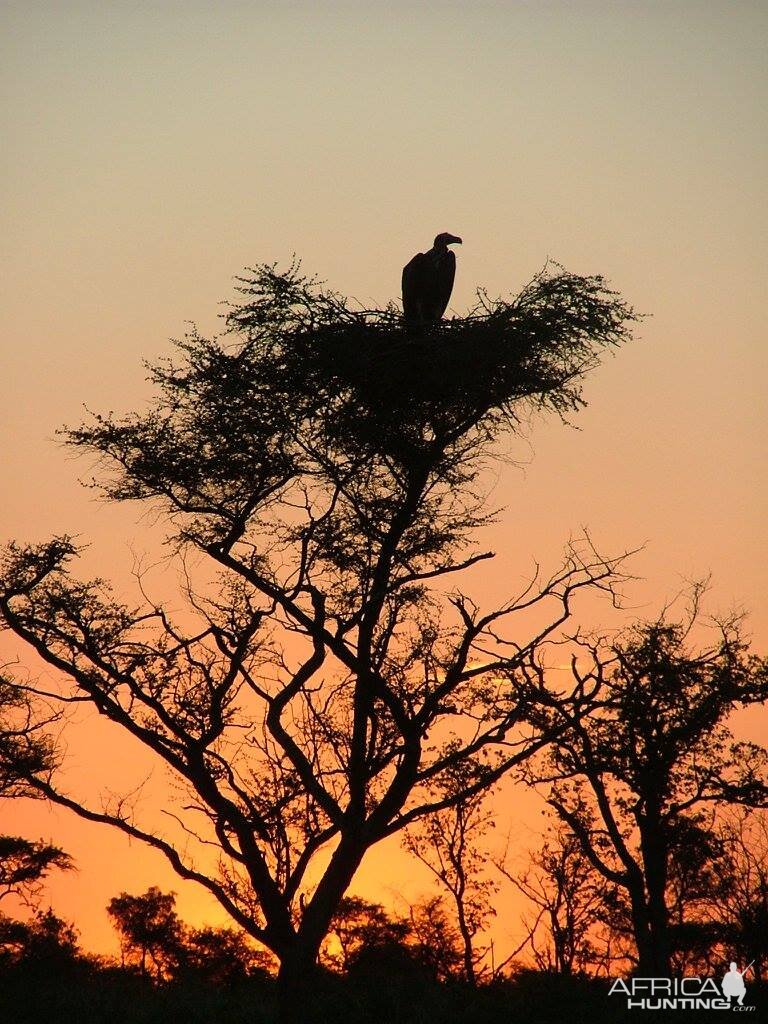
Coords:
pixel 24 863
pixel 150 930
pixel 359 927
pixel 25 747
pixel 45 942
pixel 377 943
pixel 156 942
pixel 364 937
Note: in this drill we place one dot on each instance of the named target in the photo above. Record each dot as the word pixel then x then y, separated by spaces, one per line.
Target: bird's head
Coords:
pixel 445 238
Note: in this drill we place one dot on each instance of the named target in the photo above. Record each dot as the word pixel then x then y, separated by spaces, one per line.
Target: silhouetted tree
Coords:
pixel 696 876
pixel 568 899
pixel 450 843
pixel 219 956
pixel 45 941
pixel 696 865
pixel 23 865
pixel 359 926
pixel 325 461
pixel 438 941
pixel 25 748
pixel 149 930
pixel 629 775
pixel 739 908
pixel 362 932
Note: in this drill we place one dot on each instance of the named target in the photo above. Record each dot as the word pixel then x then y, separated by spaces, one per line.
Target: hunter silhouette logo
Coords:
pixel 733 983
pixel 687 993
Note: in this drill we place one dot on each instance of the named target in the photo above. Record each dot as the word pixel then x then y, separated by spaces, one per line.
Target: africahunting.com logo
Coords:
pixel 692 993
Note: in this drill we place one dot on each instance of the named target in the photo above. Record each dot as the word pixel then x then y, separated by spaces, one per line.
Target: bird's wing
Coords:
pixel 413 286
pixel 444 283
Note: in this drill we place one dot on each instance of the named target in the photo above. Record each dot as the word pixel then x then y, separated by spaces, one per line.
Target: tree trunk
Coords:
pixel 299 976
pixel 466 936
pixel 659 942
pixel 297 986
pixel 654 850
pixel 641 931
pixel 651 939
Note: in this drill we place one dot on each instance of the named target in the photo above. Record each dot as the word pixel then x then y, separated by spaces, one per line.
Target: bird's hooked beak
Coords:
pixel 444 239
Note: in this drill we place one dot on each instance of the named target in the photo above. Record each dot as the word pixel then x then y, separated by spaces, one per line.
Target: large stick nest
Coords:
pixel 380 381
pixel 305 381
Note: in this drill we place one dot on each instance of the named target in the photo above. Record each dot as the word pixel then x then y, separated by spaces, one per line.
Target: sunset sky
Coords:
pixel 153 151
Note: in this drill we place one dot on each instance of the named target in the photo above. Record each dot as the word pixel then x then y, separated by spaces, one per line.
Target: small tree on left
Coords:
pixel 25 747
pixel 24 863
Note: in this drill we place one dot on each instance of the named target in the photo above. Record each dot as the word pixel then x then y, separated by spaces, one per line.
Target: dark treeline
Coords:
pixel 375 967
pixel 378 965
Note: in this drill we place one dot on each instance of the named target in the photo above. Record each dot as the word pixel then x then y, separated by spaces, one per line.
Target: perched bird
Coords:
pixel 428 281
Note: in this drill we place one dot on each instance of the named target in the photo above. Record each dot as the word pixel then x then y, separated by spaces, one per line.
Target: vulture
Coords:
pixel 428 281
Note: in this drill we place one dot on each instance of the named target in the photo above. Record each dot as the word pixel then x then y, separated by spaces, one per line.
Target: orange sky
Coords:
pixel 151 153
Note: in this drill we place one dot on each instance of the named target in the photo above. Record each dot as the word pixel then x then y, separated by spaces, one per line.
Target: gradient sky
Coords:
pixel 152 151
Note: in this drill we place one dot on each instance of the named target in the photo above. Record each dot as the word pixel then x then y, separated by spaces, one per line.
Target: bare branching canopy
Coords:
pixel 326 461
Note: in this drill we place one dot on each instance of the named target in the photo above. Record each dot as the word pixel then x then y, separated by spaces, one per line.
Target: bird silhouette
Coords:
pixel 428 281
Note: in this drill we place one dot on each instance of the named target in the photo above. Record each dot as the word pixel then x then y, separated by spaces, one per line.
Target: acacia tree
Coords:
pixel 24 863
pixel 221 956
pixel 325 461
pixel 630 773
pixel 44 943
pixel 439 942
pixel 25 747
